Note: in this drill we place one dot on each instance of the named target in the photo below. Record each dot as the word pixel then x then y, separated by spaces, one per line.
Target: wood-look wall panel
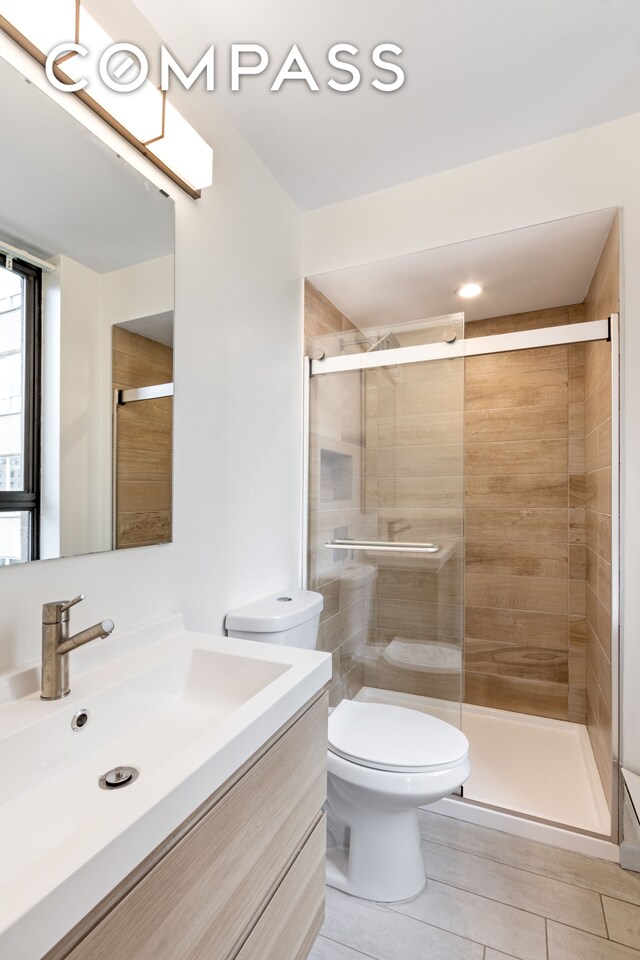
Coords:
pixel 529 423
pixel 431 492
pixel 139 348
pixel 147 465
pixel 519 490
pixel 141 496
pixel 522 696
pixel 526 627
pixel 532 320
pixel 546 559
pixel 419 430
pixel 524 520
pixel 144 462
pixel 517 593
pixel 136 372
pixel 536 388
pixel 509 366
pixel 158 410
pixel 519 662
pixel 148 435
pixel 405 583
pixel 144 529
pixel 520 457
pixel 528 525
pixel 437 460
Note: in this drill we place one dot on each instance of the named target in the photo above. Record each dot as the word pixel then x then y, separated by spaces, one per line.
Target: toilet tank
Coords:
pixel 290 617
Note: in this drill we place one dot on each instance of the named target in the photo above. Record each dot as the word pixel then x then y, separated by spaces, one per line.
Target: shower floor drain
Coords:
pixel 118 777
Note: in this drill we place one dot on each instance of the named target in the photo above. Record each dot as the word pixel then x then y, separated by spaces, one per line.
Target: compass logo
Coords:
pixel 124 68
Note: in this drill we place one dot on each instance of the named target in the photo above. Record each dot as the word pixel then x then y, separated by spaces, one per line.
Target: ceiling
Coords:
pixel 483 78
pixel 158 327
pixel 548 265
pixel 64 192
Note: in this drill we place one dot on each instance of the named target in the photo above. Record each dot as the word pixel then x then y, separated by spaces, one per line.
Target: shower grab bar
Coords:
pixel 382 546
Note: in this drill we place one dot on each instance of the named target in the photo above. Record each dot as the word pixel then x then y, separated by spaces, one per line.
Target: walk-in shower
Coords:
pixel 462 505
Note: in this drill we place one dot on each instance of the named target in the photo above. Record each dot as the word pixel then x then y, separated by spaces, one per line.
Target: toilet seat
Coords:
pixel 394 739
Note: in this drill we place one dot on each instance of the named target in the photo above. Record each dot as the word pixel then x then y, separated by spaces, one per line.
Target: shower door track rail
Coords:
pixel 478 346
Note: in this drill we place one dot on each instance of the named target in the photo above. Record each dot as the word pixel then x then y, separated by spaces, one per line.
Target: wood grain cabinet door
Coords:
pixel 204 898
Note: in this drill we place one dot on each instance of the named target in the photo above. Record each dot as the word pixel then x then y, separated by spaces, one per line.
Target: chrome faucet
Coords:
pixel 57 644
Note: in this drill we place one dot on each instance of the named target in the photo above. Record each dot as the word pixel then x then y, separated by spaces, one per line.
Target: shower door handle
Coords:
pixel 382 546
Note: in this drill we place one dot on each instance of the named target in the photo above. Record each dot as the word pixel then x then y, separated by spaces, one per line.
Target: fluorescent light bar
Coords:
pixel 45 22
pixel 139 111
pixel 144 116
pixel 182 148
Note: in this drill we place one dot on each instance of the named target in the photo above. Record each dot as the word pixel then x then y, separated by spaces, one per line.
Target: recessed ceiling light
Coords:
pixel 469 290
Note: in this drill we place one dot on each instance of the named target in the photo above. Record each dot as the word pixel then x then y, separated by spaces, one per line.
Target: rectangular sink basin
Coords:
pixel 186 713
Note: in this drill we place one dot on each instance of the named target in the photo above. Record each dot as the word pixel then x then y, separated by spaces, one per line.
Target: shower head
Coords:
pixel 389 340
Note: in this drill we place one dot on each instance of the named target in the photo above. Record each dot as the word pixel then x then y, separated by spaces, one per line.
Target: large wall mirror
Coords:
pixel 86 338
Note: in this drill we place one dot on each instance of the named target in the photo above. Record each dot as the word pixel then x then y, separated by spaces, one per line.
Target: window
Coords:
pixel 20 310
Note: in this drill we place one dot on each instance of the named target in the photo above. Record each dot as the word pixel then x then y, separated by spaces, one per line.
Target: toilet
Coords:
pixel 384 762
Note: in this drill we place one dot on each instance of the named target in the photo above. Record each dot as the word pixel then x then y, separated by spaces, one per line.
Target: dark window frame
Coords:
pixel 28 500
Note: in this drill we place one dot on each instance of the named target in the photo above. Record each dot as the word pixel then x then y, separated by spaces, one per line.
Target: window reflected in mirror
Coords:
pixel 86 315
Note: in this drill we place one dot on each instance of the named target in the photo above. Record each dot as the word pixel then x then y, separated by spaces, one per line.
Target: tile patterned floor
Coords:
pixel 491 896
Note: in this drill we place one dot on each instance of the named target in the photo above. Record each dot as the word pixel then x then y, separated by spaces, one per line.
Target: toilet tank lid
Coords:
pixel 280 611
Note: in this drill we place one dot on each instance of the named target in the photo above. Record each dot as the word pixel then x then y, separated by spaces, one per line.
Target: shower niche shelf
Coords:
pixel 336 475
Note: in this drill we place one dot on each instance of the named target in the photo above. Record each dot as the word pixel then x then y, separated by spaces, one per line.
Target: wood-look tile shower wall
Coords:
pixel 538 520
pixel 336 498
pixel 525 523
pixel 145 442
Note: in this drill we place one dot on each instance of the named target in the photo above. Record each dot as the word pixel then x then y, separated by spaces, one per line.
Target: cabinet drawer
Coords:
pixel 201 899
pixel 288 927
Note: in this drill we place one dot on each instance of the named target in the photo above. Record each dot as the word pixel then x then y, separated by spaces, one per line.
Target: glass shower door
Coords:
pixel 386 523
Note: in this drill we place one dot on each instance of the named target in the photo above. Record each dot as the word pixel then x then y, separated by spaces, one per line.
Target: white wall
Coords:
pixel 143 290
pixel 237 408
pixel 585 171
pixel 84 410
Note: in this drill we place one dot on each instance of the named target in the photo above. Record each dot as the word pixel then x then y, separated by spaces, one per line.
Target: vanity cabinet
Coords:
pixel 242 879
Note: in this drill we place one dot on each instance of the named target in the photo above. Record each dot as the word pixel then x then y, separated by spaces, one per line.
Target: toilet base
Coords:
pixel 383 860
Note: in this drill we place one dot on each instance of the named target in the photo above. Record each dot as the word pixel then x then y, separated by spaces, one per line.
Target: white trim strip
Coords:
pixel 306 438
pixel 616 639
pixel 154 392
pixel 15 253
pixel 498 343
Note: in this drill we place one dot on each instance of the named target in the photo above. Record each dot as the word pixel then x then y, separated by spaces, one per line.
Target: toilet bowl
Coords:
pixel 384 762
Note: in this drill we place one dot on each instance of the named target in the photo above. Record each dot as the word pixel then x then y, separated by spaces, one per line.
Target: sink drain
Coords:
pixel 118 777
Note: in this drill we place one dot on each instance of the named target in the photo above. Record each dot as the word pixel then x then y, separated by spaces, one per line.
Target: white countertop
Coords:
pixel 65 843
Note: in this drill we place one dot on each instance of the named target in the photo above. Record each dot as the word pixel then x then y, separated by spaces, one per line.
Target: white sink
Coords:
pixel 186 712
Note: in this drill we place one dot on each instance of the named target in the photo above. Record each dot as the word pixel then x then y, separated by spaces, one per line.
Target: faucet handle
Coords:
pixel 52 612
pixel 72 603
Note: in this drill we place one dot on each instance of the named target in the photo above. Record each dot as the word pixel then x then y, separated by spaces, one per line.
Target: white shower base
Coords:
pixel 531 766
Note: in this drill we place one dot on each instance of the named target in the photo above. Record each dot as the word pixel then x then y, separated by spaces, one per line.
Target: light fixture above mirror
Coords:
pixel 143 116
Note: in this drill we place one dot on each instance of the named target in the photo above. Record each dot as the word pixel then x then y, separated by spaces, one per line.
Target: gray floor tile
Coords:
pixel 623 921
pixel 547 897
pixel 496 955
pixel 566 943
pixel 513 931
pixel 386 935
pixel 606 878
pixel 324 949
